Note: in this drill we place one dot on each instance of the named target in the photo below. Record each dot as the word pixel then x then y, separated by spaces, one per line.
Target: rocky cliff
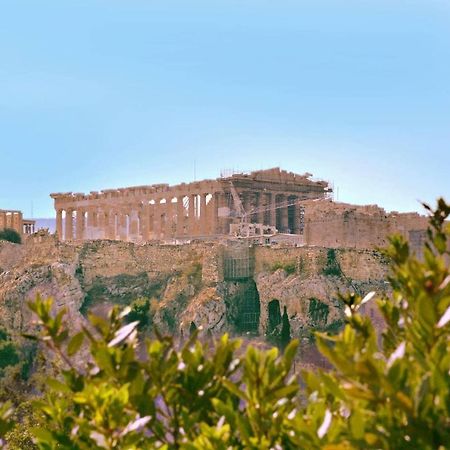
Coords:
pixel 241 291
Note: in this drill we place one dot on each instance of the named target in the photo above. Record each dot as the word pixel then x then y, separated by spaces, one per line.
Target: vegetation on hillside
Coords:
pixel 384 392
pixel 10 235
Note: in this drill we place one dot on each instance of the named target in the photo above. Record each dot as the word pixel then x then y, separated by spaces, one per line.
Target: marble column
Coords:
pixel 192 219
pixel 203 215
pixel 180 216
pixel 168 215
pixel 260 204
pixel 59 223
pixel 102 224
pixel 145 221
pixel 273 209
pixel 69 225
pixel 214 206
pixel 224 207
pixel 157 219
pixel 134 225
pixel 110 224
pixel 79 224
pixel 89 230
pixel 284 214
pixel 122 225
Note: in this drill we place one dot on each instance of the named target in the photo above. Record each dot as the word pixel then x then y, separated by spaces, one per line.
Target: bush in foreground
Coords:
pixel 388 393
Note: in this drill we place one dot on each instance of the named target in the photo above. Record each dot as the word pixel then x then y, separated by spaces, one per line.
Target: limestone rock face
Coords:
pixel 185 283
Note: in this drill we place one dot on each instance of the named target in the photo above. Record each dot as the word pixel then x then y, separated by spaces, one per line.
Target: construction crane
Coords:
pixel 238 206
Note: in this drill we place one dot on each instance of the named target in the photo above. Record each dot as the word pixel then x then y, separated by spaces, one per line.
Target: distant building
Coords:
pixel 14 220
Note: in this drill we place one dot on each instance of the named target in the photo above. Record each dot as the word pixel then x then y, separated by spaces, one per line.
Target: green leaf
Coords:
pixel 357 424
pixel 57 386
pixel 43 435
pixel 75 343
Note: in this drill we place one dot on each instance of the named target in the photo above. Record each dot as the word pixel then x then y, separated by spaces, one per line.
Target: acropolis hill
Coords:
pixel 246 205
pixel 258 243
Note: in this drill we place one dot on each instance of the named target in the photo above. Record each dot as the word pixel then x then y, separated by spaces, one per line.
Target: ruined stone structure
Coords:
pixel 282 202
pixel 199 209
pixel 14 220
pixel 334 225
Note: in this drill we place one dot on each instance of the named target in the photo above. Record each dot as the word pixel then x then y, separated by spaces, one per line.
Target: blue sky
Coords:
pixel 109 93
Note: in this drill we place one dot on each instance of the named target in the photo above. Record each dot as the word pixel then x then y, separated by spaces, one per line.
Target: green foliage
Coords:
pixel 10 235
pixel 332 267
pixel 389 393
pixel 273 316
pixel 290 267
pixel 194 274
pixel 318 312
pixel 9 353
pixel 285 335
pixel 192 328
pixel 169 317
pixel 3 334
pixel 396 395
pixel 175 398
pixel 140 312
pixel 6 423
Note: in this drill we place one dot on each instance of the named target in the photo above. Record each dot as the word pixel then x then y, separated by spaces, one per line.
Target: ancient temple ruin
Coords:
pixel 13 219
pixel 271 207
pixel 189 210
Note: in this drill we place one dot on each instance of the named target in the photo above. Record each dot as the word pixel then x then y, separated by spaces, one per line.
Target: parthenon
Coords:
pixel 187 210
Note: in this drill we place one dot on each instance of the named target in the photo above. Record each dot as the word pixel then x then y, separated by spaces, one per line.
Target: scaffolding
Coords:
pixel 238 262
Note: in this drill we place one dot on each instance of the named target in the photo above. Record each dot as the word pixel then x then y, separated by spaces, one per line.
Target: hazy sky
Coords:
pixel 110 93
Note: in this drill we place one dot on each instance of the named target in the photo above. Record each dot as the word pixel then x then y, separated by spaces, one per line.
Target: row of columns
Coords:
pixel 193 215
pixel 190 215
pixel 28 228
pixel 271 209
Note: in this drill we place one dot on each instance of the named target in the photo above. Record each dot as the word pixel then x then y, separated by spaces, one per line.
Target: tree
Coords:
pixel 8 351
pixel 192 328
pixel 388 393
pixel 10 235
pixel 140 311
pixel 285 334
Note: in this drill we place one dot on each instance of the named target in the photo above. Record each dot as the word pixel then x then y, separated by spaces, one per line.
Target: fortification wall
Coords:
pixel 335 225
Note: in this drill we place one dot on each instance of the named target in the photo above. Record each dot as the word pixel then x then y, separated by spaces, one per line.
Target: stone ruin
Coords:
pixel 14 220
pixel 194 210
pixel 274 199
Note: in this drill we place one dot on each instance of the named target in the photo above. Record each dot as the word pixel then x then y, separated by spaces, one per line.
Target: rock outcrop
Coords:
pixel 186 283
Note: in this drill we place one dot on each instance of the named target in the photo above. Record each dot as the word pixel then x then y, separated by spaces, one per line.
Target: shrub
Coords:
pixel 10 235
pixel 285 334
pixel 332 267
pixel 290 268
pixel 9 354
pixel 392 394
pixel 318 312
pixel 140 312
